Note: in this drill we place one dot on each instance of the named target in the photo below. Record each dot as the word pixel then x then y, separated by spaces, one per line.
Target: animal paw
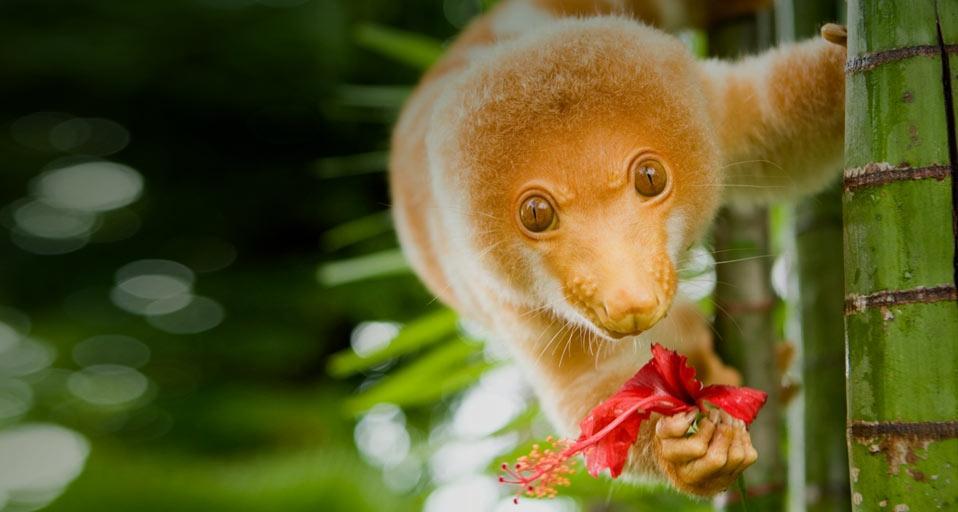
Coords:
pixel 708 461
pixel 836 34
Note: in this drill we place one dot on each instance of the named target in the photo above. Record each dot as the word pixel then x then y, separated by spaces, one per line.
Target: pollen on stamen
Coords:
pixel 539 473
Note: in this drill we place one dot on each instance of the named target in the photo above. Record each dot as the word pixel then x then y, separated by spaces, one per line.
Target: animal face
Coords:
pixel 598 220
pixel 581 172
pixel 602 239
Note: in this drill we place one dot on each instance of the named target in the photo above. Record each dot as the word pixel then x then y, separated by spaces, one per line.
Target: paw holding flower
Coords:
pixel 703 463
pixel 707 461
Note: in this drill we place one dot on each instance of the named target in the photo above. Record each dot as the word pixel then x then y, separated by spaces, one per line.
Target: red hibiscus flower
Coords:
pixel 665 385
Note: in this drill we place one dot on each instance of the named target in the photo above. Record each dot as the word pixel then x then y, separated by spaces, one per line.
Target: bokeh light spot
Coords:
pixel 8 337
pixel 697 277
pixel 41 219
pixel 482 412
pixel 39 460
pixel 153 287
pixel 533 505
pixel 16 398
pixel 47 246
pixel 458 459
pixel 381 436
pixel 91 186
pixel 168 305
pixel 404 476
pixel 201 314
pixel 33 130
pixel 370 337
pixel 89 136
pixel 474 494
pixel 108 384
pixel 26 357
pixel 154 266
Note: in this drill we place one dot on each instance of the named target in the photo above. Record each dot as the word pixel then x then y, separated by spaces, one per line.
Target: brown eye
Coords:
pixel 650 178
pixel 537 214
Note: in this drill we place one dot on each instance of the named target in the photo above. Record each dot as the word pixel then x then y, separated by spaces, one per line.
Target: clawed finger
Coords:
pixel 726 418
pixel 736 452
pixel 750 454
pixel 684 449
pixel 675 426
pixel 715 458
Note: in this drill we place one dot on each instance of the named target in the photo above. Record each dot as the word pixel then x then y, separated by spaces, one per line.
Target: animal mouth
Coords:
pixel 623 334
pixel 632 325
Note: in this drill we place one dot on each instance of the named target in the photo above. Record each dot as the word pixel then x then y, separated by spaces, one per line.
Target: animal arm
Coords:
pixel 781 120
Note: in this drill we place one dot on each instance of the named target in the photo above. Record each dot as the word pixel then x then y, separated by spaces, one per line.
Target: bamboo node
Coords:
pixel 923 430
pixel 881 173
pixel 871 60
pixel 857 303
pixel 901 442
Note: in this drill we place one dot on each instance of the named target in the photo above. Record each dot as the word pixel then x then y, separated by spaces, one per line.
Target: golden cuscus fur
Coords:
pixel 563 101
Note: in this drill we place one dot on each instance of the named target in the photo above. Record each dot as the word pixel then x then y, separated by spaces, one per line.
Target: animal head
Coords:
pixel 575 166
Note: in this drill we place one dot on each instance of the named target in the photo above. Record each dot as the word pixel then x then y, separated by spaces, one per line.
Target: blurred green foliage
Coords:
pixel 260 128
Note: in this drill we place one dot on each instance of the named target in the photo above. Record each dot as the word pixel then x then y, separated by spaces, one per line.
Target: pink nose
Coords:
pixel 631 311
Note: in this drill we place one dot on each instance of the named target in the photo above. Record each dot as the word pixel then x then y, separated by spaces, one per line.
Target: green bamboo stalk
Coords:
pixel 901 314
pixel 744 300
pixel 948 27
pixel 818 242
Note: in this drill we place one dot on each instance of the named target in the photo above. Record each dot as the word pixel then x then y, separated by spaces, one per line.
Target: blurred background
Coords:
pixel 203 305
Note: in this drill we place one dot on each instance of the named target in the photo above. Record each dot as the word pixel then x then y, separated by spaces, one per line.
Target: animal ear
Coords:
pixel 779 119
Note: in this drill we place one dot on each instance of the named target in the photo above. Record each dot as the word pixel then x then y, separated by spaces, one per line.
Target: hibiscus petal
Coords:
pixel 676 372
pixel 647 380
pixel 628 409
pixel 612 451
pixel 742 403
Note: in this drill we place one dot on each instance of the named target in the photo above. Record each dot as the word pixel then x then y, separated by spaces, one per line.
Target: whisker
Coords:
pixel 567 343
pixel 743 259
pixel 736 185
pixel 758 161
pixel 554 336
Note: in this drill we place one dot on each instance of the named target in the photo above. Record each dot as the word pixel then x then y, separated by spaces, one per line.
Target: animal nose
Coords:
pixel 624 302
pixel 631 311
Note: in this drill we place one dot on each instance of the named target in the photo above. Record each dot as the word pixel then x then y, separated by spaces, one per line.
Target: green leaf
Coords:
pixel 374 96
pixel 422 332
pixel 409 48
pixel 440 372
pixel 379 264
pixel 357 230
